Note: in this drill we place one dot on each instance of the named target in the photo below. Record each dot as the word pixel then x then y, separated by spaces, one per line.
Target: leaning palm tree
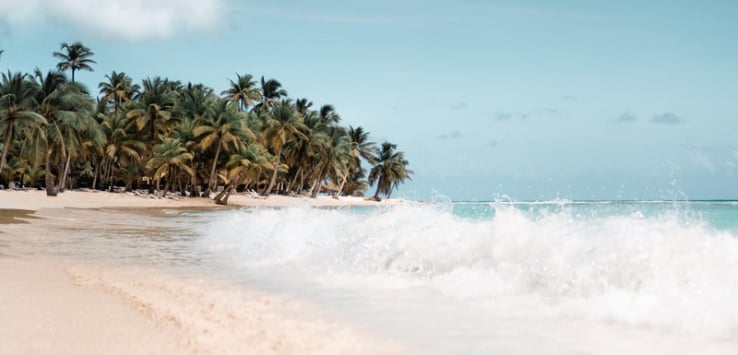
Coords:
pixel 17 101
pixel 390 170
pixel 221 127
pixel 243 92
pixel 168 157
pixel 284 124
pixel 74 57
pixel 249 160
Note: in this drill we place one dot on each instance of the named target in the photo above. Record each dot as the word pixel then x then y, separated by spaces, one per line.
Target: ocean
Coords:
pixel 553 277
pixel 476 277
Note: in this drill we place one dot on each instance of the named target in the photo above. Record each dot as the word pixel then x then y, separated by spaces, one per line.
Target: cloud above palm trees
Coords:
pixel 132 20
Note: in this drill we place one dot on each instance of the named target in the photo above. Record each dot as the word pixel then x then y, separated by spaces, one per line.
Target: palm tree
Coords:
pixel 122 150
pixel 328 115
pixel 75 57
pixel 284 125
pixel 390 170
pixel 168 157
pixel 271 91
pixel 222 127
pixel 70 124
pixel 333 160
pixel 243 92
pixel 250 159
pixel 119 89
pixel 153 108
pixel 17 100
pixel 361 147
pixel 303 105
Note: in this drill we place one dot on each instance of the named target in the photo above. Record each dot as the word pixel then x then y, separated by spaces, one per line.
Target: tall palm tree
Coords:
pixel 361 148
pixel 71 126
pixel 243 91
pixel 334 160
pixel 284 124
pixel 118 89
pixel 74 57
pixel 222 127
pixel 168 157
pixel 17 101
pixel 389 170
pixel 122 150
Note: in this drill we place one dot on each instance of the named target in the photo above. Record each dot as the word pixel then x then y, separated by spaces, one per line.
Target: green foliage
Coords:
pixel 160 130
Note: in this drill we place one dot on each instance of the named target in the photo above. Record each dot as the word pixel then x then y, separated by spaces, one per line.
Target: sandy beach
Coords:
pixel 58 301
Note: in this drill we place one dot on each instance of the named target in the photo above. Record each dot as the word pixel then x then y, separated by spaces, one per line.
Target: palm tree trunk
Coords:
pixel 376 194
pixel 50 188
pixel 274 174
pixel 294 180
pixel 97 172
pixel 222 198
pixel 63 180
pixel 212 184
pixel 314 192
pixel 6 145
pixel 340 188
pixel 166 185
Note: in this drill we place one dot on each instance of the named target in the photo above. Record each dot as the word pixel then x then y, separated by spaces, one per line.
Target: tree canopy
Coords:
pixel 56 135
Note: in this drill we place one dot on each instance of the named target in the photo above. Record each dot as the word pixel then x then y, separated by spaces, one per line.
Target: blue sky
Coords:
pixel 529 99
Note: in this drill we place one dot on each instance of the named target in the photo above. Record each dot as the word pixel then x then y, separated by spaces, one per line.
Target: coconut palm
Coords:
pixel 389 171
pixel 246 163
pixel 70 123
pixel 221 127
pixel 153 108
pixel 328 115
pixel 271 92
pixel 168 157
pixel 243 92
pixel 333 160
pixel 17 101
pixel 284 124
pixel 361 148
pixel 118 89
pixel 122 151
pixel 74 57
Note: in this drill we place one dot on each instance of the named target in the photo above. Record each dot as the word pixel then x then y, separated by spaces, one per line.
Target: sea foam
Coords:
pixel 670 270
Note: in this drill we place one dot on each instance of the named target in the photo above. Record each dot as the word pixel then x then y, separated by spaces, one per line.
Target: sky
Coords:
pixel 528 100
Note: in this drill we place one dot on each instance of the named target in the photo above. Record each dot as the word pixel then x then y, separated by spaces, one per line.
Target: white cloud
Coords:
pixel 132 20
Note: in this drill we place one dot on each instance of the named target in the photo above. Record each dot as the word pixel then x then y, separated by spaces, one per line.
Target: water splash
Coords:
pixel 631 263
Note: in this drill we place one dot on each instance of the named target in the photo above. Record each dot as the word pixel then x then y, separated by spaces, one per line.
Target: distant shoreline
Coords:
pixel 37 199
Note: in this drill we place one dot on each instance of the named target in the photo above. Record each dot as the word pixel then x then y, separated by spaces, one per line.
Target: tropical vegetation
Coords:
pixel 170 137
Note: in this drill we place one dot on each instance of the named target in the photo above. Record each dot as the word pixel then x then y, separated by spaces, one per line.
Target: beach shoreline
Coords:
pixel 37 199
pixel 56 303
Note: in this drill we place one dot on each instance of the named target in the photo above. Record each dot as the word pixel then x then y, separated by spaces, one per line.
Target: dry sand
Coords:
pixel 37 199
pixel 52 304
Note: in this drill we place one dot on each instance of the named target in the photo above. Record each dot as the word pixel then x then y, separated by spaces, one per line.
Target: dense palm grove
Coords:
pixel 166 136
